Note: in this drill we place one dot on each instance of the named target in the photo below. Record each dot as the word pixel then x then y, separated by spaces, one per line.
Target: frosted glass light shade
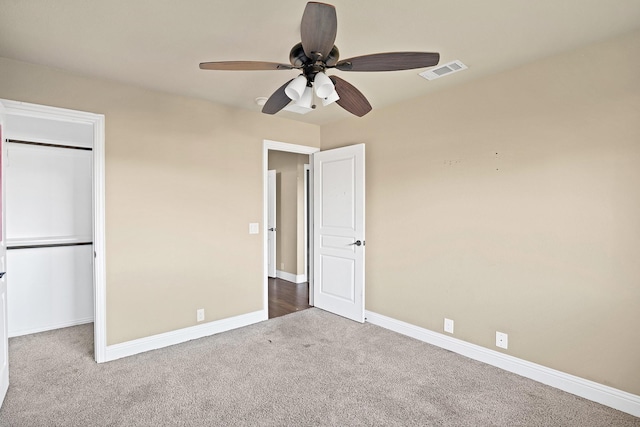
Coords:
pixel 323 85
pixel 306 99
pixel 295 89
pixel 333 97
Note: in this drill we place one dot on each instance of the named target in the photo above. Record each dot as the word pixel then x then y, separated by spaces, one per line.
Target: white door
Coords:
pixel 271 222
pixel 4 330
pixel 338 231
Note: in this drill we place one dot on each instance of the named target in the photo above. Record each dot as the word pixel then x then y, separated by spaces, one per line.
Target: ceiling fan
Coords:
pixel 317 53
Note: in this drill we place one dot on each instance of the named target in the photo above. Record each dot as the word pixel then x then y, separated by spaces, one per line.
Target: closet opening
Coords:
pixel 49 235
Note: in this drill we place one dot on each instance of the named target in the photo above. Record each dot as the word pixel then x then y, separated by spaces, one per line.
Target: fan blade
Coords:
pixel 243 66
pixel 318 29
pixel 391 61
pixel 277 101
pixel 351 99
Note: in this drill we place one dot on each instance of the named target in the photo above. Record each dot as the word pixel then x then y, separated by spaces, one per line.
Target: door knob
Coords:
pixel 357 243
pixel 272 229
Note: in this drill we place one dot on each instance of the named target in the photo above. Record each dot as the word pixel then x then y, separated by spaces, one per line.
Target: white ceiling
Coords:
pixel 158 44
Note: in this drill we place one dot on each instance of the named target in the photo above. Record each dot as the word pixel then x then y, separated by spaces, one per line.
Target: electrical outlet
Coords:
pixel 502 340
pixel 448 325
pixel 200 314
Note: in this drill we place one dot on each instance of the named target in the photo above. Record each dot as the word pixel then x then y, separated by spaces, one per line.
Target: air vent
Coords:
pixel 443 70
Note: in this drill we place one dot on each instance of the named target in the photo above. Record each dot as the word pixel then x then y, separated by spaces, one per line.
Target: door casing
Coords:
pixel 270 229
pixel 4 329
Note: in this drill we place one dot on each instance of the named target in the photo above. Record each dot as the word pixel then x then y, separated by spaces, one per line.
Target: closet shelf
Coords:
pixel 48 241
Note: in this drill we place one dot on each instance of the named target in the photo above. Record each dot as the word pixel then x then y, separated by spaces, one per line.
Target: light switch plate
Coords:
pixel 254 228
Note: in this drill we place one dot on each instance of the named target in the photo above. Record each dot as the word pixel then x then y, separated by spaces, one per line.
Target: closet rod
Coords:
pixel 42 144
pixel 48 245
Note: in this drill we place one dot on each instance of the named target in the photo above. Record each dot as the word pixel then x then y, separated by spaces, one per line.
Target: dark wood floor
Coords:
pixel 287 297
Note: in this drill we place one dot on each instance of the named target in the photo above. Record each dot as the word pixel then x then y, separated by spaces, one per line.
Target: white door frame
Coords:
pixel 271 223
pixel 99 265
pixel 307 212
pixel 4 318
pixel 290 148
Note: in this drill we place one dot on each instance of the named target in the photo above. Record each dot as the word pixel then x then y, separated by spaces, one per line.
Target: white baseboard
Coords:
pixel 608 396
pixel 289 277
pixel 61 325
pixel 129 348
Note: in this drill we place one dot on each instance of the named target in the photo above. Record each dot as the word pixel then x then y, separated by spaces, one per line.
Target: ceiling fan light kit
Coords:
pixel 314 55
pixel 323 85
pixel 296 88
pixel 333 97
pixel 306 100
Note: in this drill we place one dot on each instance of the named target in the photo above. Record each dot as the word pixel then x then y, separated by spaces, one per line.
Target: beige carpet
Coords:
pixel 305 369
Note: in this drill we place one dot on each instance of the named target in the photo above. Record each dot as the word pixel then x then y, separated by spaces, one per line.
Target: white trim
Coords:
pixel 130 348
pixel 276 146
pixel 306 171
pixel 26 109
pixel 311 245
pixel 289 277
pixel 99 269
pixel 61 325
pixel 272 211
pixel 99 242
pixel 4 312
pixel 608 396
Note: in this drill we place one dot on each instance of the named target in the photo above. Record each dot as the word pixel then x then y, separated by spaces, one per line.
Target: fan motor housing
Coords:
pixel 298 58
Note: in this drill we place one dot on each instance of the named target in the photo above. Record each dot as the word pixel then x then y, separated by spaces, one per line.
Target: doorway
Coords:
pixel 287 232
pixel 287 297
pixel 290 289
pixel 49 221
pixel 43 128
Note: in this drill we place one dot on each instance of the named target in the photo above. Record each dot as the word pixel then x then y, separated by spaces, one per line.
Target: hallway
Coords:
pixel 287 297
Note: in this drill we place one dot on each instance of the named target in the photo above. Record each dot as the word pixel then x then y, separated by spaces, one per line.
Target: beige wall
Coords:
pixel 289 169
pixel 183 181
pixel 512 203
pixel 303 160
